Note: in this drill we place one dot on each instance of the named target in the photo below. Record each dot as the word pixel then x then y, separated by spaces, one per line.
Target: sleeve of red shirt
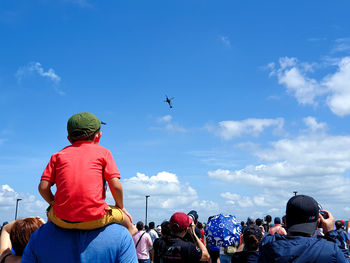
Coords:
pixel 110 169
pixel 49 173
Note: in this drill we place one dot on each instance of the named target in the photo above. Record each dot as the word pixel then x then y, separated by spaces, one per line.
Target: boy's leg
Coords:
pixel 127 223
pixel 114 215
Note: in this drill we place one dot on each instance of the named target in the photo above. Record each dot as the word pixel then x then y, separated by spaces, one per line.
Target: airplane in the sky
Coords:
pixel 167 100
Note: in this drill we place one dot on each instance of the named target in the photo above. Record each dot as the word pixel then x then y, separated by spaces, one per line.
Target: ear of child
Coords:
pixel 97 137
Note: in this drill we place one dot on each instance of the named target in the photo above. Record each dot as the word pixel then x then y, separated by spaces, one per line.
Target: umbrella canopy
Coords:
pixel 223 230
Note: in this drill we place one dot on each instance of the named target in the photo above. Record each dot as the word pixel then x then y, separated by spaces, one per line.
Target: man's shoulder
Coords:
pixel 111 230
pixel 106 244
pixel 277 242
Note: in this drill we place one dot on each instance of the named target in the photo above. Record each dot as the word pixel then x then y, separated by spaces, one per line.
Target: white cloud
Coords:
pixel 229 129
pixel 28 206
pixel 167 195
pixel 168 124
pixel 292 75
pixel 339 85
pixel 335 86
pixel 313 125
pixel 341 45
pixel 37 68
pixel 311 164
pixel 226 41
pixel 166 118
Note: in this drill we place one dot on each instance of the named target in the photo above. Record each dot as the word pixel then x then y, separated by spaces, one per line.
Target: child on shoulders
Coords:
pixel 80 172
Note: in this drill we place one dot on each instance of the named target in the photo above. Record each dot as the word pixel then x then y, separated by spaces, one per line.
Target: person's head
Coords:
pixel 21 231
pixel 268 219
pixel 277 221
pixel 84 126
pixel 250 221
pixel 165 229
pixel 252 236
pixel 242 223
pixel 194 215
pixel 151 225
pixel 200 225
pixel 258 222
pixel 302 215
pixel 179 222
pixel 339 224
pixel 140 225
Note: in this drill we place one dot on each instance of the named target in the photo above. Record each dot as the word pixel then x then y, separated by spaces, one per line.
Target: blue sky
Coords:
pixel 261 108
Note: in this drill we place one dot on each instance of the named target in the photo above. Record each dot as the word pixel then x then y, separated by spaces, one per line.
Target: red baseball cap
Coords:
pixel 179 222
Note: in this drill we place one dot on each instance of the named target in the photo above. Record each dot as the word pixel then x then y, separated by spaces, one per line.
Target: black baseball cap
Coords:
pixel 302 214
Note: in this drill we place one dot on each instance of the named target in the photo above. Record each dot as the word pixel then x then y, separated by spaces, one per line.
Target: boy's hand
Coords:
pixel 127 214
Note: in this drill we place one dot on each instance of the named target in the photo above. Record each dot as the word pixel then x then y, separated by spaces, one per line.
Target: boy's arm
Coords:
pixel 45 191
pixel 117 192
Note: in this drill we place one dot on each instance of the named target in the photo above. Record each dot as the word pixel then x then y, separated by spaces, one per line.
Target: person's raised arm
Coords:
pixel 45 191
pixel 5 241
pixel 205 254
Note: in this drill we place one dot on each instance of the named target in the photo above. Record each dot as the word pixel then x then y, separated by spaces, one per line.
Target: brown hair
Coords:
pixel 84 138
pixel 21 231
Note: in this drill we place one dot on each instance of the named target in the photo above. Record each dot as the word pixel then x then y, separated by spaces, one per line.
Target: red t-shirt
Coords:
pixel 78 171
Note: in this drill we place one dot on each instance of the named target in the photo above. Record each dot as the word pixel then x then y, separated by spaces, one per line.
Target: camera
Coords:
pixel 324 214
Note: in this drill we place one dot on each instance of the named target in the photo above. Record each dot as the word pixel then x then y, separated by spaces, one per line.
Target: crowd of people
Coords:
pixel 305 234
pixel 82 227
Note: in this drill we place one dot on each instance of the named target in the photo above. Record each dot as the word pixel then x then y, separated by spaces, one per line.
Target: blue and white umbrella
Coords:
pixel 223 230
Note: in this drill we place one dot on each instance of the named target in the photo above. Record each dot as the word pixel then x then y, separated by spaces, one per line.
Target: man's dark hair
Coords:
pixel 252 236
pixel 151 225
pixel 165 228
pixel 268 219
pixel 139 225
pixel 338 224
pixel 258 222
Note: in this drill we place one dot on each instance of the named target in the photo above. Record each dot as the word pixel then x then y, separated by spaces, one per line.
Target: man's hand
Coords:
pixel 191 229
pixel 326 224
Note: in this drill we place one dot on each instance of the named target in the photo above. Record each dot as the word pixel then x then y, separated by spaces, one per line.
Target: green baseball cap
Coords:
pixel 82 125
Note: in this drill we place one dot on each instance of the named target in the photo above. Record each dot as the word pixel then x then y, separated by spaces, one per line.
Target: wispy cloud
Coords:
pixel 168 124
pixel 37 68
pixel 166 118
pixel 313 125
pixel 341 45
pixel 229 129
pixel 226 41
